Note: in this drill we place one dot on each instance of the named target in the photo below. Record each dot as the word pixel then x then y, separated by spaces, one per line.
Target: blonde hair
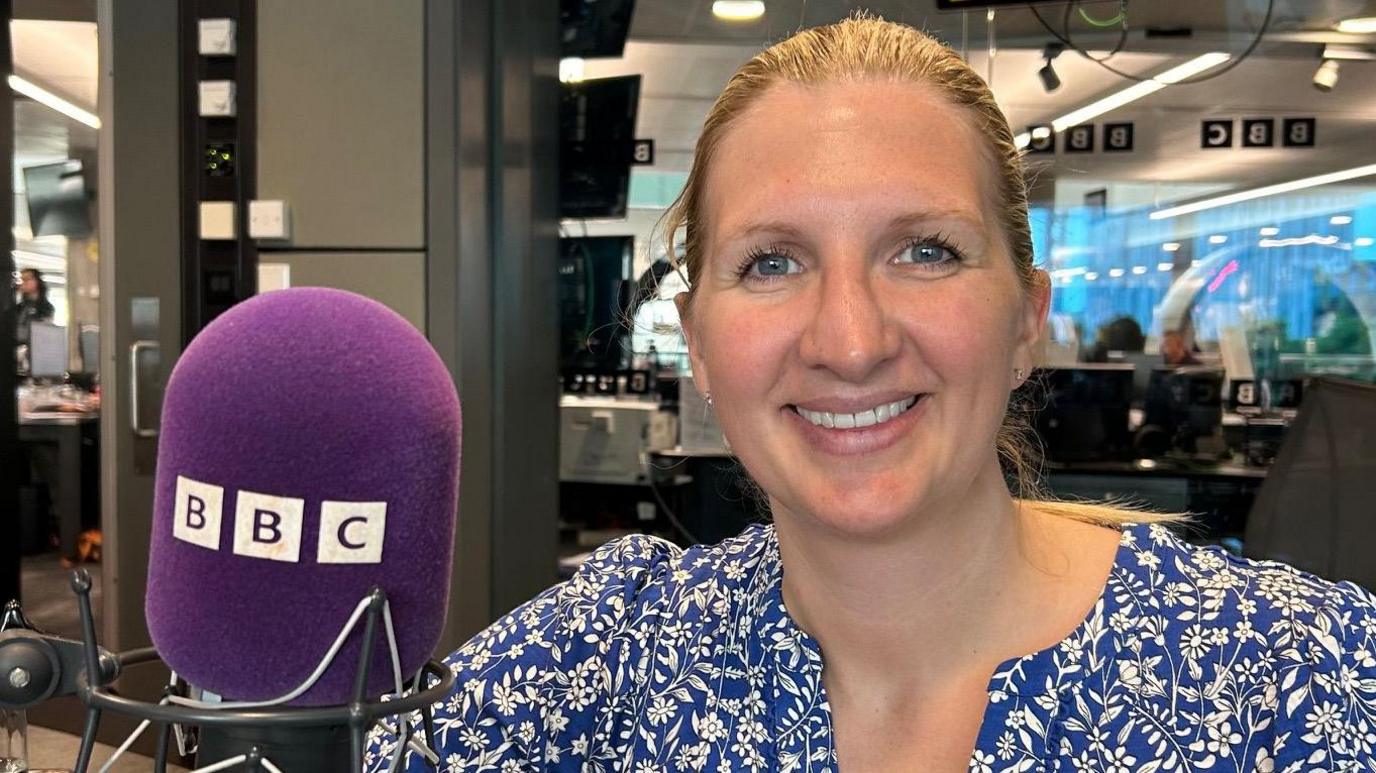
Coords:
pixel 864 47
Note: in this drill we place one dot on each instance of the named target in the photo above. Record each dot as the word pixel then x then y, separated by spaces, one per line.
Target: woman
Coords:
pixel 33 304
pixel 863 305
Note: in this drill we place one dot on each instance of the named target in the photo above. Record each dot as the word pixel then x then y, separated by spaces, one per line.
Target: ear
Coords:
pixel 1036 306
pixel 686 323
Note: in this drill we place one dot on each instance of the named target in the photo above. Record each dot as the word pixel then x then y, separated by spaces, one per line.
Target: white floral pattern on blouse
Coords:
pixel 654 658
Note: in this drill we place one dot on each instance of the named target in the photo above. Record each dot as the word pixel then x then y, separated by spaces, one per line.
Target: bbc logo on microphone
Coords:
pixel 269 527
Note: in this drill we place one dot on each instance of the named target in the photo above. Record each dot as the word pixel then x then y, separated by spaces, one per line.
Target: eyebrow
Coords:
pixel 968 218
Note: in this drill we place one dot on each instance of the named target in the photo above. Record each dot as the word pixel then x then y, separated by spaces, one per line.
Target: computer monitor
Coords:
pixel 1183 404
pixel 56 195
pixel 88 340
pixel 593 301
pixel 1143 365
pixel 597 135
pixel 1085 417
pixel 1314 507
pixel 594 28
pixel 47 350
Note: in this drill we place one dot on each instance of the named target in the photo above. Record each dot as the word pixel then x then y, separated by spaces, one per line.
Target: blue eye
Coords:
pixel 773 265
pixel 928 253
pixel 768 265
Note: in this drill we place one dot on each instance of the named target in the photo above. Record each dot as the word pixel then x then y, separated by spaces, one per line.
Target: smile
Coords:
pixel 869 417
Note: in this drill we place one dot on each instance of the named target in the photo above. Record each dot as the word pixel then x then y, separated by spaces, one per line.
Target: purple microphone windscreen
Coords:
pixel 309 451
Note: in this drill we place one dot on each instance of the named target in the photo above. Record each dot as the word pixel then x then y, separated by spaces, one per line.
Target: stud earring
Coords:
pixel 708 397
pixel 1017 374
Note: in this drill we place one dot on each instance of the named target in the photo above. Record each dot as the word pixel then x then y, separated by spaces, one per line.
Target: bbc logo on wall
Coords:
pixel 1258 133
pixel 1117 137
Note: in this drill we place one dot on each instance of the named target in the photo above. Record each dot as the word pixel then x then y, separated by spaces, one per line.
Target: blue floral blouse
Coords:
pixel 654 658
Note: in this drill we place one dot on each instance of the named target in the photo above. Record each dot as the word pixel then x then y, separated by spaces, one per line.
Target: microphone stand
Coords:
pixel 243 736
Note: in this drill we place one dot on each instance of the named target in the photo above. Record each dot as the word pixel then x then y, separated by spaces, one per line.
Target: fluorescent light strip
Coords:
pixel 43 96
pixel 1361 25
pixel 1298 241
pixel 738 10
pixel 1264 191
pixel 571 69
pixel 1131 94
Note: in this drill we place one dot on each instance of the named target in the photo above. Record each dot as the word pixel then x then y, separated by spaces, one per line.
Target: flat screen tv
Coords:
pixel 594 28
pixel 597 132
pixel 56 195
pixel 593 300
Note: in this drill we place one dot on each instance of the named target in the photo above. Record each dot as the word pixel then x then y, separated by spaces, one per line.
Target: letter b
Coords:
pixel 1246 394
pixel 195 512
pixel 196 516
pixel 1299 132
pixel 267 526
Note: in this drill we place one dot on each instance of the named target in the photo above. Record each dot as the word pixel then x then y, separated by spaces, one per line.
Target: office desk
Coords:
pixel 76 438
pixel 1219 495
pixel 707 489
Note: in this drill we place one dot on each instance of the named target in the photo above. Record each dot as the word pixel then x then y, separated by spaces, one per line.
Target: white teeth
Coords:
pixel 866 418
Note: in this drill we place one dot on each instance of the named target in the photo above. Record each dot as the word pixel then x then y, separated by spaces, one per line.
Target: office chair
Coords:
pixel 1315 508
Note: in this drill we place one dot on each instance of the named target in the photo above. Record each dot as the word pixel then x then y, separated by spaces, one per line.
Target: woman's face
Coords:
pixel 858 318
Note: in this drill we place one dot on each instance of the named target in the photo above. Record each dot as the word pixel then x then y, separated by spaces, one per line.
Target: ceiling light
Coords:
pixel 1171 246
pixel 1218 239
pixel 571 69
pixel 1139 270
pixel 1326 77
pixel 1116 272
pixel 1131 93
pixel 1340 220
pixel 1093 276
pixel 1299 241
pixel 1361 25
pixel 43 96
pixel 1355 172
pixel 1269 230
pixel 738 10
pixel 1363 241
pixel 1349 53
pixel 1164 266
pixel 1050 80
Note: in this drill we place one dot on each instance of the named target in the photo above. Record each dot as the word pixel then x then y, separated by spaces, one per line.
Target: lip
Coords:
pixel 866 440
pixel 853 404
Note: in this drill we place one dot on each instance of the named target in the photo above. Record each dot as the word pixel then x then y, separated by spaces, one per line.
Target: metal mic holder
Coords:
pixel 42 659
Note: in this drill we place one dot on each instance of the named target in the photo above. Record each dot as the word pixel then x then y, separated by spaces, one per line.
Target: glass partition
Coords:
pixel 1285 285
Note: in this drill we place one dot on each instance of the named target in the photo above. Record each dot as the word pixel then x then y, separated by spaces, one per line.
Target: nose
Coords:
pixel 850 332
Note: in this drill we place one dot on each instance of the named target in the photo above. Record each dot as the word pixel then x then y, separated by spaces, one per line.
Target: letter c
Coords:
pixel 343 535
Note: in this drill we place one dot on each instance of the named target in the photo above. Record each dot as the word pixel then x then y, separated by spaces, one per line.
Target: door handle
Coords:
pixel 134 350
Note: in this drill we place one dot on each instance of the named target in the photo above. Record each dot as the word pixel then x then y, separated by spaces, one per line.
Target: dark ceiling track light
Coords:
pixel 1050 80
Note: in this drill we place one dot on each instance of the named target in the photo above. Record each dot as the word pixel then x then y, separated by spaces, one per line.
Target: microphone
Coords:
pixel 309 453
